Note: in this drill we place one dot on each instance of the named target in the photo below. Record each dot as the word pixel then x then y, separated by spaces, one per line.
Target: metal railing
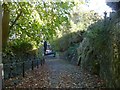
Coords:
pixel 19 68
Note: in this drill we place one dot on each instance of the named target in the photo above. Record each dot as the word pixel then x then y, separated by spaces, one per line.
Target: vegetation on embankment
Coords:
pixel 26 24
pixel 67 45
pixel 99 51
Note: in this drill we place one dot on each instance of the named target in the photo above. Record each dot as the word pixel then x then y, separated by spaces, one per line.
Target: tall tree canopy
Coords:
pixel 25 21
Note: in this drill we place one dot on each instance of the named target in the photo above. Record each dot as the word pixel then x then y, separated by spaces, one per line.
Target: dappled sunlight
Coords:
pixel 36 16
pixel 60 44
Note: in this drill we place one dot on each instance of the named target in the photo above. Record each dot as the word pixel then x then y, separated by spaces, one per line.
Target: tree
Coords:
pixel 5 24
pixel 29 22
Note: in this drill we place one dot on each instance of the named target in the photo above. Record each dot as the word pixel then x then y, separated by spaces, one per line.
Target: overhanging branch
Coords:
pixel 16 19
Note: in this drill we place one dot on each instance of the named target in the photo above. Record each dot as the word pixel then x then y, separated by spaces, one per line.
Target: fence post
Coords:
pixel 23 69
pixel 37 63
pixel 32 65
pixel 41 61
pixel 10 71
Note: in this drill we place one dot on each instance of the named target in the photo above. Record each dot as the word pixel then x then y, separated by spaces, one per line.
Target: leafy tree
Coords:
pixel 33 21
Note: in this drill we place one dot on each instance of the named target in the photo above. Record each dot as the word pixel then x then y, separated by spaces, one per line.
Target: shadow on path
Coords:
pixel 58 73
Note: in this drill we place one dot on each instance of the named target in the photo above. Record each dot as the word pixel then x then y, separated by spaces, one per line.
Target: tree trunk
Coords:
pixel 0 30
pixel 1 65
pixel 5 25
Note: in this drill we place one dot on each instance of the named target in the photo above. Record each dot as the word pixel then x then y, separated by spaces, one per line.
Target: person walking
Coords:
pixel 45 47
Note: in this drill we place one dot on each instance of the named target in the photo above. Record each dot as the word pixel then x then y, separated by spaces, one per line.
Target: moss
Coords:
pixel 99 51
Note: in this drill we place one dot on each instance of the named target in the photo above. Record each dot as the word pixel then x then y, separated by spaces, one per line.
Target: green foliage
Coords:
pixel 40 53
pixel 99 50
pixel 66 41
pixel 71 53
pixel 37 21
pixel 21 46
pixel 81 20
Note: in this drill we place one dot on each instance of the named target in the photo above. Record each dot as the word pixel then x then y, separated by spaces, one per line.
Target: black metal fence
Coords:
pixel 18 68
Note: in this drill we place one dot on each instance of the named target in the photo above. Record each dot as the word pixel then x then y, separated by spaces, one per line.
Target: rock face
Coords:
pixel 99 51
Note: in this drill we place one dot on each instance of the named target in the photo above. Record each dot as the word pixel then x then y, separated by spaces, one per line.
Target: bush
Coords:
pixel 68 40
pixel 21 46
pixel 100 50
